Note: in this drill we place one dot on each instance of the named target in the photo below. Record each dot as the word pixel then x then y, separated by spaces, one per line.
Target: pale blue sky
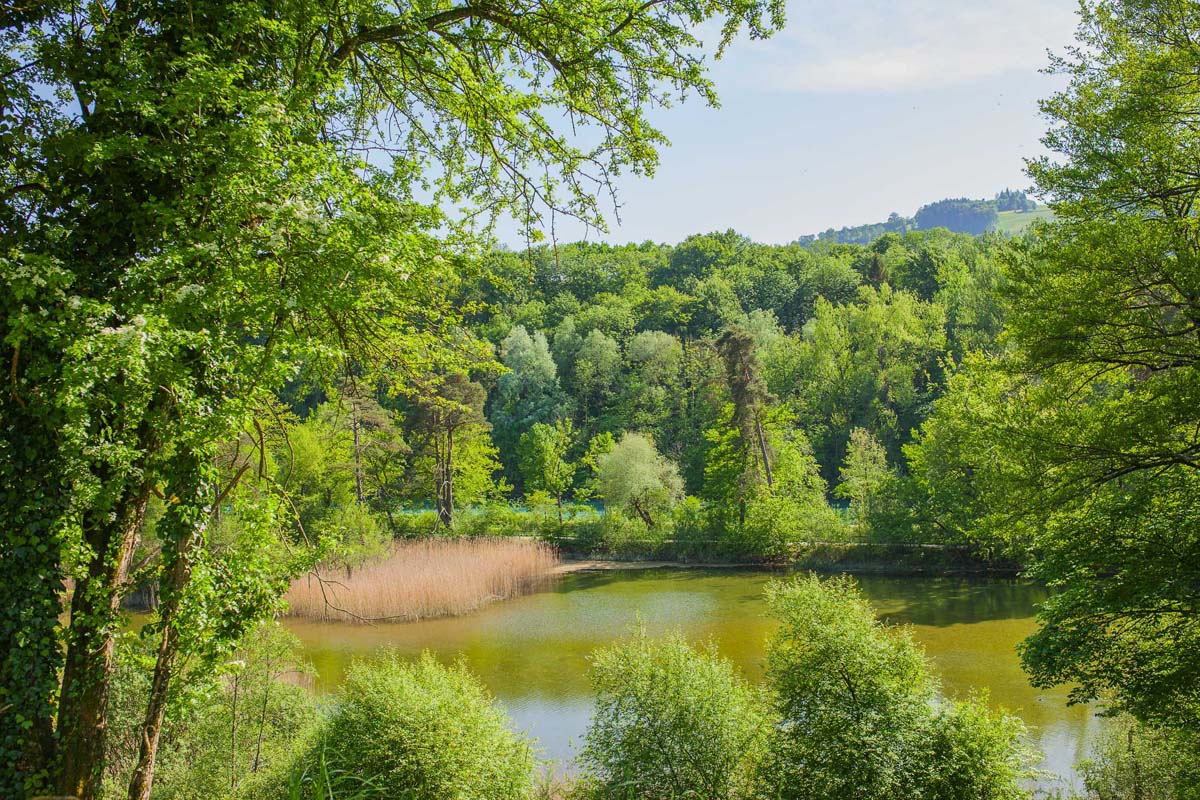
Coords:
pixel 859 108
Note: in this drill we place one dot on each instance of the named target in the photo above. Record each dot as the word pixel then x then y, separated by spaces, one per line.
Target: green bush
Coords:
pixel 422 731
pixel 672 722
pixel 223 738
pixel 694 531
pixel 414 524
pixel 621 535
pixel 859 714
pixel 1134 761
pixel 977 753
pixel 353 535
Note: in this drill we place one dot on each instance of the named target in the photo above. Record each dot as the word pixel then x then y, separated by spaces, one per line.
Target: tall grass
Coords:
pixel 427 578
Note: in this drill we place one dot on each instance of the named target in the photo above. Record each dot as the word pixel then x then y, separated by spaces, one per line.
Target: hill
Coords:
pixel 1010 212
pixel 1012 223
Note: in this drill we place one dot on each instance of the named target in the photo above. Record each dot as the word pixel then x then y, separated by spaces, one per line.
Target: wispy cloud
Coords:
pixel 874 45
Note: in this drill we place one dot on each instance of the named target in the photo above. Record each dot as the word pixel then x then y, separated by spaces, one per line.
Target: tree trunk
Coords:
pixel 644 514
pixel 358 473
pixel 762 447
pixel 180 573
pixel 95 608
pixel 446 495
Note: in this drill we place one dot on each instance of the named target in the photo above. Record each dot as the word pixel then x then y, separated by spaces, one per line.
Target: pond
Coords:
pixel 532 652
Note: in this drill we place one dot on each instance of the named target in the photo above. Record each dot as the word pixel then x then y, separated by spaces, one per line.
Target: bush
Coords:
pixel 414 524
pixel 353 535
pixel 1134 761
pixel 672 722
pixel 222 738
pixel 422 731
pixel 620 535
pixel 859 711
pixel 695 534
pixel 977 753
pixel 775 522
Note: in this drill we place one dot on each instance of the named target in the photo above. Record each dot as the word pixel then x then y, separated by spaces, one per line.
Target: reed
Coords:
pixel 427 578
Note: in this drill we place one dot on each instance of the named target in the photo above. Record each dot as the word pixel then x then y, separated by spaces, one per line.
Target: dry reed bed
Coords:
pixel 427 578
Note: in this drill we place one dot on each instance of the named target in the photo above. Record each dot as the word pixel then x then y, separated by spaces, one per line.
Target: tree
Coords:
pixel 452 417
pixel 864 473
pixel 543 454
pixel 1098 413
pixel 187 219
pixel 651 396
pixel 795 509
pixel 597 370
pixel 633 476
pixel 960 215
pixel 872 364
pixel 743 373
pixel 528 393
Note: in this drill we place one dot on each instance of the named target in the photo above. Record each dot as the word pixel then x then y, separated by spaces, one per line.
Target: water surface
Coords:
pixel 532 652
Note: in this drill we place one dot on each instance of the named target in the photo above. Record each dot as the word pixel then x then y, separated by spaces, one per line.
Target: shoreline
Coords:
pixel 568 566
pixel 825 566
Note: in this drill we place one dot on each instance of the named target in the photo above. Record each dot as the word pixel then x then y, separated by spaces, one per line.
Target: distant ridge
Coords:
pixel 1009 212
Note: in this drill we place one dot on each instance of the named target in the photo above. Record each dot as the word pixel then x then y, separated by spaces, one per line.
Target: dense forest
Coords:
pixel 724 396
pixel 252 331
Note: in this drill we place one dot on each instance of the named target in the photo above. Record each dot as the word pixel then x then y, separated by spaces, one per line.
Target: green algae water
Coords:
pixel 532 652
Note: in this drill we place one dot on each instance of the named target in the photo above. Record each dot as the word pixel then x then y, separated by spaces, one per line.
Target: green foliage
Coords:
pixel 864 475
pixel 672 722
pixel 961 215
pixel 319 466
pixel 189 223
pixel 846 686
pixel 424 731
pixel 872 365
pixel 794 509
pixel 1076 442
pixel 543 456
pixel 1131 760
pixel 226 736
pixel 633 478
pixel 528 393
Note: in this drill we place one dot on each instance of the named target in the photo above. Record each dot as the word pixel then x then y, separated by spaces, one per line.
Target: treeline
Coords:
pixel 724 396
pixel 959 215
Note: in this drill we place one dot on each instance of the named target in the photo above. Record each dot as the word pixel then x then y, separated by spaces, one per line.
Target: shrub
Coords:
pixel 977 753
pixel 695 533
pixel 859 712
pixel 422 731
pixel 672 722
pixel 1132 760
pixel 621 535
pixel 223 738
pixel 353 535
pixel 776 522
pixel 414 524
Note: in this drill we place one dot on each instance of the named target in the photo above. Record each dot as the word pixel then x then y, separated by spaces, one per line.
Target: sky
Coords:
pixel 857 109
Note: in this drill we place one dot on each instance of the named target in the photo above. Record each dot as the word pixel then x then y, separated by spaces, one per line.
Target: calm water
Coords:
pixel 532 652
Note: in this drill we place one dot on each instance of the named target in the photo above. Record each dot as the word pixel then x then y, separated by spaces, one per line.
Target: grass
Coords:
pixel 427 578
pixel 1014 222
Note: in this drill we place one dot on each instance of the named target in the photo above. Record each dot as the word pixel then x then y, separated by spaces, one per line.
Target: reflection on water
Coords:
pixel 532 652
